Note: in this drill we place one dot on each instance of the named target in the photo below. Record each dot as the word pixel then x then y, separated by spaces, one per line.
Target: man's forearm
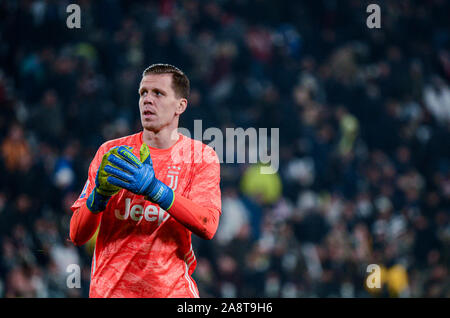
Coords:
pixel 199 220
pixel 83 225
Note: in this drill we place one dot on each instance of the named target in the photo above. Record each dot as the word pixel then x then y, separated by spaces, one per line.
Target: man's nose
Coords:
pixel 148 100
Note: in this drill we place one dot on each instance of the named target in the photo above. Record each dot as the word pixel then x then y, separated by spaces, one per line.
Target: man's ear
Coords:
pixel 181 107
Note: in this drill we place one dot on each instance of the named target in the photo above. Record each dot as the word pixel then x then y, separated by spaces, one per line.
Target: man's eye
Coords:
pixel 143 93
pixel 158 93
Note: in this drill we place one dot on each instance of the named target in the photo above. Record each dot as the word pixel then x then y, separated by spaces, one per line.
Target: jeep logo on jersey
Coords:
pixel 151 213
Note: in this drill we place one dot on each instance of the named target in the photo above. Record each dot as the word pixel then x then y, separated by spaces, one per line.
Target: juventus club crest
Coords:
pixel 172 174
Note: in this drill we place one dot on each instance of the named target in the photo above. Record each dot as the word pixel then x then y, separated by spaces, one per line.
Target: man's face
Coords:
pixel 158 104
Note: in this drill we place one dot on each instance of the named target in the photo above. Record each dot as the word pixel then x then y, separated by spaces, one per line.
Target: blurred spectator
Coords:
pixel 437 100
pixel 14 148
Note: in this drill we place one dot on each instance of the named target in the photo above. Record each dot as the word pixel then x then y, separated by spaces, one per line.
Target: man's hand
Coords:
pixel 138 176
pixel 103 190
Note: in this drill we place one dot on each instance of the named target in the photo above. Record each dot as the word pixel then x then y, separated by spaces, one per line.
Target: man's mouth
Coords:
pixel 148 113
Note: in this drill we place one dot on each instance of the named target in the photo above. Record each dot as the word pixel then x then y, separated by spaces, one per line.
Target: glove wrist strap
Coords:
pixel 161 194
pixel 97 202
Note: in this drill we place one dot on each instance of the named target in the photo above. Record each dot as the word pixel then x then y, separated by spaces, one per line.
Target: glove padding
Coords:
pixel 101 180
pixel 103 190
pixel 137 175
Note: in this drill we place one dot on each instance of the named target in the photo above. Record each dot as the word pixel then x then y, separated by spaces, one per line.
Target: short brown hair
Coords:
pixel 180 82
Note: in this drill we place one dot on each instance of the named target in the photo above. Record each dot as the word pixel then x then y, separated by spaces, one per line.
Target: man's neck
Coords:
pixel 162 140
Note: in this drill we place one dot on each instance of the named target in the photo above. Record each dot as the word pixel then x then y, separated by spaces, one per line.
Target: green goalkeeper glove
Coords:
pixel 103 190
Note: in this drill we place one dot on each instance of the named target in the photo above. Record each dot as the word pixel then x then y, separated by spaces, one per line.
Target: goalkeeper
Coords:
pixel 147 193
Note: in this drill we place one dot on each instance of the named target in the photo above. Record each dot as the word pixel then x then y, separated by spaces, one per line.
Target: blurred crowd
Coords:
pixel 363 117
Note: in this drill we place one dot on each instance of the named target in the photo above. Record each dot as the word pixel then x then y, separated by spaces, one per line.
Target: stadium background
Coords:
pixel 364 117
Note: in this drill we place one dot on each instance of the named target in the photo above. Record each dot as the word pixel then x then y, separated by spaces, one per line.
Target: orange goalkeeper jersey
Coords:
pixel 141 251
